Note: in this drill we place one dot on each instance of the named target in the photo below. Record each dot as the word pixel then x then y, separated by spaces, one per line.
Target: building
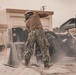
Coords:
pixel 13 18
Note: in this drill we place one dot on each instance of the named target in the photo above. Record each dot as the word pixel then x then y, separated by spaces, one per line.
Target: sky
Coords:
pixel 63 9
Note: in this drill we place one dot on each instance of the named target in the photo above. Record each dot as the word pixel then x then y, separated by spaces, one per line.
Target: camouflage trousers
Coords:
pixel 39 37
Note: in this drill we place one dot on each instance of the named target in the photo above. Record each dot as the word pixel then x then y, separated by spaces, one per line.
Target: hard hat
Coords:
pixel 28 12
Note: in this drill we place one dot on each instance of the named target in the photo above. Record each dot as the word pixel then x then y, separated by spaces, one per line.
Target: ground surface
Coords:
pixel 66 68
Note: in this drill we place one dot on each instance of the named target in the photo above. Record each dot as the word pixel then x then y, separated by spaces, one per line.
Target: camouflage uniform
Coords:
pixel 36 34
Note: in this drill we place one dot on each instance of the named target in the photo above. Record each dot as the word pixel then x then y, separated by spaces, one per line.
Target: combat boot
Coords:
pixel 25 62
pixel 46 64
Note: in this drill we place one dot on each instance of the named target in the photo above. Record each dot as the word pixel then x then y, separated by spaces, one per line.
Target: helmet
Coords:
pixel 28 14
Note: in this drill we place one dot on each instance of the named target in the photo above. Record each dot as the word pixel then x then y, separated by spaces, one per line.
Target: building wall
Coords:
pixel 3 34
pixel 13 19
pixel 16 19
pixel 3 27
pixel 3 17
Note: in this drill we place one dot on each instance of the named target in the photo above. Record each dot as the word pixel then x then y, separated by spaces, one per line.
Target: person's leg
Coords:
pixel 29 47
pixel 44 46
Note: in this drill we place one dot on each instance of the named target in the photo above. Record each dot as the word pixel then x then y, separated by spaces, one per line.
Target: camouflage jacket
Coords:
pixel 34 22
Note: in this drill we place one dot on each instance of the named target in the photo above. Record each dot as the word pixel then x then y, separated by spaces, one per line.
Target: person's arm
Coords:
pixel 27 28
pixel 41 15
